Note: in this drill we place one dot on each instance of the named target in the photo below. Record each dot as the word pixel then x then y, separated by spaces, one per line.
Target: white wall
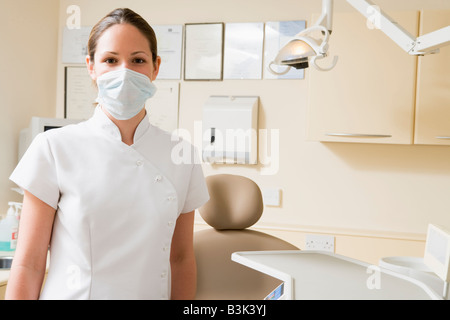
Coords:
pixel 28 62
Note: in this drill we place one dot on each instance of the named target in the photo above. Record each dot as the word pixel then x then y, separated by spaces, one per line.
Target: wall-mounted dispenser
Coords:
pixel 230 129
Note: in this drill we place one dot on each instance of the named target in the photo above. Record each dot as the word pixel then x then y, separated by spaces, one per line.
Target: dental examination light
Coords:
pixel 305 46
pixel 297 52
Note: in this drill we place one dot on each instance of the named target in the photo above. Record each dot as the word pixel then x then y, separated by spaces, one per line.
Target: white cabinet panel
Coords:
pixel 369 96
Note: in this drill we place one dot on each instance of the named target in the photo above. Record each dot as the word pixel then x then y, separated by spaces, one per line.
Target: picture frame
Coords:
pixel 204 45
pixel 79 93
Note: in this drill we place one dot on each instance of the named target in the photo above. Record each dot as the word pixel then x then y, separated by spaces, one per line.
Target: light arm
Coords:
pixel 326 17
pixel 433 40
pixel 428 43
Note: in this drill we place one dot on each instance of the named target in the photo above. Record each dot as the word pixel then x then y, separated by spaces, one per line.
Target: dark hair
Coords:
pixel 121 16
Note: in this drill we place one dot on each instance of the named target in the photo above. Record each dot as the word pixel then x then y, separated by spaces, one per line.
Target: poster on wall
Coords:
pixel 170 42
pixel 277 35
pixel 74 44
pixel 203 51
pixel 162 108
pixel 243 50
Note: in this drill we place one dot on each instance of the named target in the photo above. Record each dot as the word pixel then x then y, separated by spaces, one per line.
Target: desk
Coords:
pixel 326 276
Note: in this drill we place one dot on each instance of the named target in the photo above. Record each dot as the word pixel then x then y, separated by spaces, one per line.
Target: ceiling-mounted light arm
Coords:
pixel 428 43
pixel 326 17
pixel 431 42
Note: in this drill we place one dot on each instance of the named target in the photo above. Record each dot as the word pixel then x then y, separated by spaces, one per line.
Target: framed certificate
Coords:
pixel 80 93
pixel 203 51
pixel 170 46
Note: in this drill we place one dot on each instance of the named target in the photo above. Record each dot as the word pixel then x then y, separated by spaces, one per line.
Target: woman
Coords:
pixel 105 194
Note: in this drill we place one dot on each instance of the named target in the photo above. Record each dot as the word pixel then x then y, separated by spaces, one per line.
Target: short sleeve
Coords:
pixel 197 194
pixel 36 172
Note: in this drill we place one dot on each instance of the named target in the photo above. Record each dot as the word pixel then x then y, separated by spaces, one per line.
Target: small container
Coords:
pixel 9 228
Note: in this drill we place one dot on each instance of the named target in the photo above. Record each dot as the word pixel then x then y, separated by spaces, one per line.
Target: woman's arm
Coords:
pixel 28 268
pixel 182 259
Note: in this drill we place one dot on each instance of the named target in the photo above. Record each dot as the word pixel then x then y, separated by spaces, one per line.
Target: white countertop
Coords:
pixel 321 275
pixel 4 276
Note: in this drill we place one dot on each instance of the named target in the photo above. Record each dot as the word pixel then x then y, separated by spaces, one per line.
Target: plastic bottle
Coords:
pixel 9 227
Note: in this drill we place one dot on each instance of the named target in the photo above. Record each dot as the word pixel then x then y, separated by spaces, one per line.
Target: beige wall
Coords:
pixel 28 62
pixel 350 190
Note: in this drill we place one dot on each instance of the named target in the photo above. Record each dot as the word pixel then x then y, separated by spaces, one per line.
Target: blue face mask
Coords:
pixel 123 92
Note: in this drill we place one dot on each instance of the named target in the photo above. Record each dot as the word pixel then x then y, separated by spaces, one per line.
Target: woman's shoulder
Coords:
pixel 68 133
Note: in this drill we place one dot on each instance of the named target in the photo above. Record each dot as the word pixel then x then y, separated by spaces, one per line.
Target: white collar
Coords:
pixel 101 121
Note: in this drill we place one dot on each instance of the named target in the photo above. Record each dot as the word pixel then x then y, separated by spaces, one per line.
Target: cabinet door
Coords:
pixel 369 96
pixel 433 86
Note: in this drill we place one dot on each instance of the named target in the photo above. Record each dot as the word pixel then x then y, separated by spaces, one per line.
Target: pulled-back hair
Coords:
pixel 122 16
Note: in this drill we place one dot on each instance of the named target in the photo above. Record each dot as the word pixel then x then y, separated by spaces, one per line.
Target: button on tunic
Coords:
pixel 116 206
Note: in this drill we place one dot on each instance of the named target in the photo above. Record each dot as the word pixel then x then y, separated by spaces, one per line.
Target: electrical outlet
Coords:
pixel 319 242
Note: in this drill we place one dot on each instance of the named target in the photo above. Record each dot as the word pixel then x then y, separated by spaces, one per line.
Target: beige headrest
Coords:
pixel 235 202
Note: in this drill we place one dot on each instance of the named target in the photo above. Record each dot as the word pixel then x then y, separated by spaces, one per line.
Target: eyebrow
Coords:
pixel 133 54
pixel 138 52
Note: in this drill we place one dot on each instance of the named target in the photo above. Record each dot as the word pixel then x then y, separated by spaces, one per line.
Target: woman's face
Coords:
pixel 123 46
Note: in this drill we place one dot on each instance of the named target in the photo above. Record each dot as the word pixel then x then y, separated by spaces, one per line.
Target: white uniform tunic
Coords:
pixel 117 206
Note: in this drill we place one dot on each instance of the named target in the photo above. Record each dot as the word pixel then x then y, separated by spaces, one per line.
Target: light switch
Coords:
pixel 271 197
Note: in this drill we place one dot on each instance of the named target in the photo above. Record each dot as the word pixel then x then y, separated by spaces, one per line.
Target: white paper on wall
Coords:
pixel 170 42
pixel 243 50
pixel 74 44
pixel 162 108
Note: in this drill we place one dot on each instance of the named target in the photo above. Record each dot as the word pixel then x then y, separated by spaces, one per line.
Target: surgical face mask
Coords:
pixel 123 92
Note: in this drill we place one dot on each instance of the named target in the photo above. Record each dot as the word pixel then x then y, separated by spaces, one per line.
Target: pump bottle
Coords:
pixel 9 227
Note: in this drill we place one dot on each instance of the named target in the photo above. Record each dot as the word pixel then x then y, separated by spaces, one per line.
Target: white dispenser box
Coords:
pixel 230 125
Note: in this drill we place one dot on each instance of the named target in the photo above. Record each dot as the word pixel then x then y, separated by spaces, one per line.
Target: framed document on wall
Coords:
pixel 79 93
pixel 203 51
pixel 170 47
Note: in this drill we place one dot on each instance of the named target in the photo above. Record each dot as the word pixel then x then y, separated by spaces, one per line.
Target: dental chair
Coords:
pixel 235 204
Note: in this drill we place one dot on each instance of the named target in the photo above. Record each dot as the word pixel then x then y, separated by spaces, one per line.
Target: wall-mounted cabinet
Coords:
pixel 432 124
pixel 377 93
pixel 369 96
